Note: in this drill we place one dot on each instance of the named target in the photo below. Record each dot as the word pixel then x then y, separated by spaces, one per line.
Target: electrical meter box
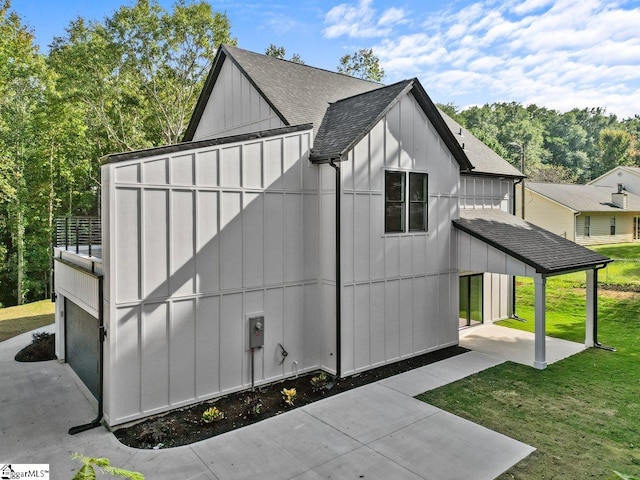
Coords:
pixel 256 331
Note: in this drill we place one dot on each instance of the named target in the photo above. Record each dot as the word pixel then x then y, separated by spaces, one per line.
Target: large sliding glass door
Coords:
pixel 470 300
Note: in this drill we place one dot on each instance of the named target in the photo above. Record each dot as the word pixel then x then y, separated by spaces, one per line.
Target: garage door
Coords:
pixel 82 347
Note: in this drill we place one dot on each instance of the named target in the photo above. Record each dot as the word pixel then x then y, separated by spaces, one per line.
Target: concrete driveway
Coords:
pixel 374 432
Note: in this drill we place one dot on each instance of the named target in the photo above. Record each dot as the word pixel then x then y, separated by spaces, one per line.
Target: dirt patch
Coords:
pixel 42 348
pixel 186 425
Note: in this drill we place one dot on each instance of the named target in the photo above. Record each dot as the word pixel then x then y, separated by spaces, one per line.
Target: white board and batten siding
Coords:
pixel 399 296
pixel 235 107
pixel 198 241
pixel 79 286
pixel 485 192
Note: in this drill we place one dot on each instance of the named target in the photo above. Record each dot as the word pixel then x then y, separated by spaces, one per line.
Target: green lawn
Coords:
pixel 583 413
pixel 24 318
pixel 625 270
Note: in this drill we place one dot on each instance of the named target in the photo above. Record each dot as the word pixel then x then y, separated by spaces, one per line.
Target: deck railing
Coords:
pixel 79 233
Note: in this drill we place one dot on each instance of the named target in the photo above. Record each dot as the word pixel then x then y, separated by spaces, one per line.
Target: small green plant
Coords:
pixel 38 337
pixel 213 414
pixel 254 405
pixel 319 382
pixel 89 465
pixel 289 395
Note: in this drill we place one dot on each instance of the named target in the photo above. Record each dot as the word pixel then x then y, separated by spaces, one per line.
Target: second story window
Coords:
pixel 405 207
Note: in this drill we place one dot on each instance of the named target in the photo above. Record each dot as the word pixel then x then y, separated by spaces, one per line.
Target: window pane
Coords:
pixel 417 187
pixel 394 186
pixel 394 217
pixel 417 217
pixel 394 220
pixel 418 199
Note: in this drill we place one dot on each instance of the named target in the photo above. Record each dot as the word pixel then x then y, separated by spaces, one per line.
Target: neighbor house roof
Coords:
pixel 584 198
pixel 548 253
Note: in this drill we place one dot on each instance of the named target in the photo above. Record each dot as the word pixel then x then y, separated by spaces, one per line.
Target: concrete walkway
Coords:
pixel 377 431
pixel 515 345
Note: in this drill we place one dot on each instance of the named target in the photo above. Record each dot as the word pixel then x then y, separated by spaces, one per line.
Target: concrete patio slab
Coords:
pixel 369 412
pixel 515 345
pixel 361 463
pixel 447 447
pixel 277 448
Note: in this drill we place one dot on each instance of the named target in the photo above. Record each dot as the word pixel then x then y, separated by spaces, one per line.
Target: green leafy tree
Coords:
pixel 280 52
pixel 23 80
pixel 138 74
pixel 615 149
pixel 362 64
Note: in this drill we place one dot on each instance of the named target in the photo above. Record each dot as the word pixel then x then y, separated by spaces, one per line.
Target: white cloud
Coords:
pixel 359 21
pixel 561 54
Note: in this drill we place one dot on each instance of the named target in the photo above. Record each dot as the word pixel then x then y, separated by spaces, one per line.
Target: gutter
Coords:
pixel 596 343
pixel 102 333
pixel 513 315
pixel 338 273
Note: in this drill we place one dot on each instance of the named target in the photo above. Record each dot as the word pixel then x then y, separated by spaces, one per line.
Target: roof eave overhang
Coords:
pixel 540 269
pixel 480 173
pixel 179 147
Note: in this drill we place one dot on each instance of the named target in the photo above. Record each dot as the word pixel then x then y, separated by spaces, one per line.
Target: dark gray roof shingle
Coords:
pixel 584 198
pixel 348 120
pixel 298 93
pixel 484 159
pixel 547 252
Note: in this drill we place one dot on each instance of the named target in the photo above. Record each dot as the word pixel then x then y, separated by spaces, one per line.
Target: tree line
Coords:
pixel 572 147
pixel 131 81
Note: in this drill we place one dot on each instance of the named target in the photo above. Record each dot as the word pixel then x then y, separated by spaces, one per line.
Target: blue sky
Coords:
pixel 558 54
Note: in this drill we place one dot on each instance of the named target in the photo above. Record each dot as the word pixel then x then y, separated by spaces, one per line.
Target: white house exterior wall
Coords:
pixel 485 192
pixel 197 242
pixel 235 107
pixel 399 296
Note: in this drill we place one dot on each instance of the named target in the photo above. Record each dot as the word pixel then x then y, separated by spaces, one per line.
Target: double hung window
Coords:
pixel 405 202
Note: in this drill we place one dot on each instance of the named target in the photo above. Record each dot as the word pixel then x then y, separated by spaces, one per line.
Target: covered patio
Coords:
pixel 493 241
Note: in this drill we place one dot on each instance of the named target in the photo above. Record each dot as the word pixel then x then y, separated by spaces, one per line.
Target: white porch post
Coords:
pixel 591 302
pixel 540 361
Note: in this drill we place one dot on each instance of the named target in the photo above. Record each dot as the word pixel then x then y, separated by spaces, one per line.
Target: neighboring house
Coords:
pixel 629 177
pixel 586 214
pixel 310 220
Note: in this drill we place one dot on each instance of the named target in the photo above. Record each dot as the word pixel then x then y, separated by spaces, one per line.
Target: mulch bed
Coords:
pixel 42 348
pixel 185 426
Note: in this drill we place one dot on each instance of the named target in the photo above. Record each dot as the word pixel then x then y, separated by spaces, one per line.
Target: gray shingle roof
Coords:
pixel 298 93
pixel 547 252
pixel 484 159
pixel 347 120
pixel 302 94
pixel 584 198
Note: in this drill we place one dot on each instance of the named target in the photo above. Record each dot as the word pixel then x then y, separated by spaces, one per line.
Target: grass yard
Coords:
pixel 583 413
pixel 23 318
